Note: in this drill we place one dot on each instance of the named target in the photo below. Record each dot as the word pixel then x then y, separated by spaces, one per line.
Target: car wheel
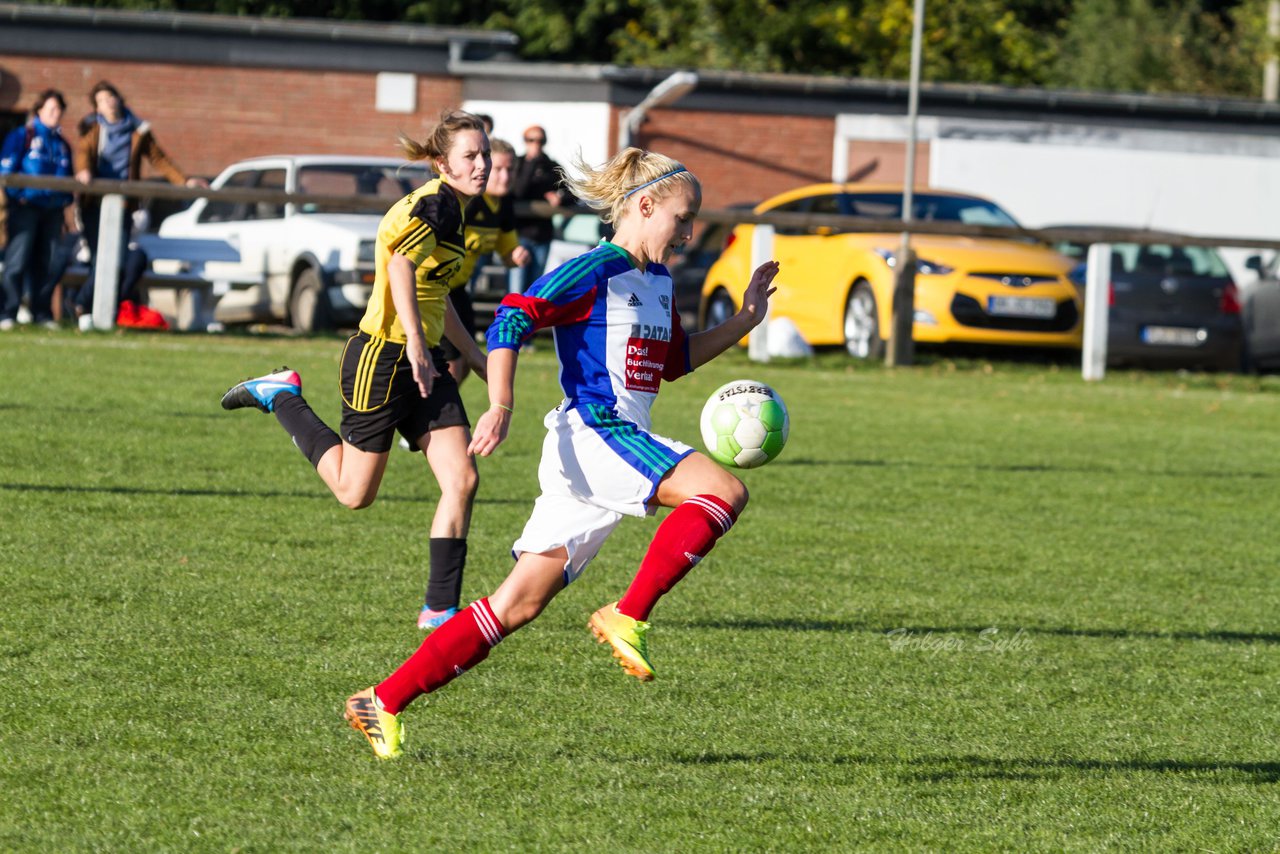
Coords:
pixel 308 304
pixel 862 324
pixel 719 309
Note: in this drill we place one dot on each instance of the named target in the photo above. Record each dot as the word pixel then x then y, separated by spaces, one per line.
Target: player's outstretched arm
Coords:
pixel 492 426
pixel 705 346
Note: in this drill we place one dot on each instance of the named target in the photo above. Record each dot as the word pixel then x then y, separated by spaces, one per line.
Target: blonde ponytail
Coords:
pixel 608 189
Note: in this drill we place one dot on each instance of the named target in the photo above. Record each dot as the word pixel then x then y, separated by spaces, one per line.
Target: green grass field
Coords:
pixel 973 606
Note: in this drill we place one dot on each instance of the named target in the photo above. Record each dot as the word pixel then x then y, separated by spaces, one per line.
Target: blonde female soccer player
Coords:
pixel 617 336
pixel 393 375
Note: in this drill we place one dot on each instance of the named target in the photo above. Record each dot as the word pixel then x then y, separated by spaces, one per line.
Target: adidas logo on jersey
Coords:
pixel 634 302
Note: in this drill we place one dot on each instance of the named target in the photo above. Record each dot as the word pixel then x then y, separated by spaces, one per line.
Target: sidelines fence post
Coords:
pixel 901 351
pixel 107 260
pixel 761 251
pixel 1093 362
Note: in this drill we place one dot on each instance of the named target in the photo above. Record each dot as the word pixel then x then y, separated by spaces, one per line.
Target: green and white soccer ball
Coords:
pixel 744 424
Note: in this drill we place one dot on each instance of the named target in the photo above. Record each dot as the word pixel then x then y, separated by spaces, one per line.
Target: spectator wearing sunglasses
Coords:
pixel 537 178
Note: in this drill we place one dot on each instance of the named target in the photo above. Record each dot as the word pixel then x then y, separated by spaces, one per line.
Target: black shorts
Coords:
pixel 461 300
pixel 379 395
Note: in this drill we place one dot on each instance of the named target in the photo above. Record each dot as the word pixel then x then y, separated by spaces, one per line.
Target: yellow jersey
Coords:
pixel 426 227
pixel 490 227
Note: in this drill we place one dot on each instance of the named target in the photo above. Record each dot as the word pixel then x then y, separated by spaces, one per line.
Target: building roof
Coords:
pixel 192 38
pixel 487 63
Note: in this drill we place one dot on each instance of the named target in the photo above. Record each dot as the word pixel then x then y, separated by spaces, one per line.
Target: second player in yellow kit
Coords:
pixel 490 229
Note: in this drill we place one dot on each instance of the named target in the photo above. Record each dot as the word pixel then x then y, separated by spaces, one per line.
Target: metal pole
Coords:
pixel 1093 362
pixel 901 346
pixel 1271 71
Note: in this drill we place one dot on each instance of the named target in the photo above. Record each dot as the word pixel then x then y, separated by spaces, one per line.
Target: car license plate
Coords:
pixel 1022 307
pixel 1173 336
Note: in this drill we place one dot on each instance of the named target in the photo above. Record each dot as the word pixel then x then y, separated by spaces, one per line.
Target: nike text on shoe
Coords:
pixel 261 392
pixel 627 637
pixel 429 620
pixel 382 729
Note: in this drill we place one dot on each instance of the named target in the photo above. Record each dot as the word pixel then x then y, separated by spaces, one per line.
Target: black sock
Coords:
pixel 312 436
pixel 444 587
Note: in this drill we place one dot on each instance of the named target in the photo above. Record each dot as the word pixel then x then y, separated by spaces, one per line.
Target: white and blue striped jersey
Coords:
pixel 617 333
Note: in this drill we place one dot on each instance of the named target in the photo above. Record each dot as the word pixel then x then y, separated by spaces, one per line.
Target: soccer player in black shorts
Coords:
pixel 394 375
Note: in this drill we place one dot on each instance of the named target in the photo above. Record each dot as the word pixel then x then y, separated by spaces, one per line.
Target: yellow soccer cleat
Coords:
pixel 383 729
pixel 627 637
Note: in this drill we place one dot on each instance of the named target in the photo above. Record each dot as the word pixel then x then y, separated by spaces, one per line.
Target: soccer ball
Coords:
pixel 744 424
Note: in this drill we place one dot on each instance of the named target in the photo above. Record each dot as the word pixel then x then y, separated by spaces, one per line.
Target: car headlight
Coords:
pixel 365 254
pixel 923 267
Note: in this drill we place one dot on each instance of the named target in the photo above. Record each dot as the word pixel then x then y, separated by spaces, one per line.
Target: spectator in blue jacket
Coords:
pixel 36 216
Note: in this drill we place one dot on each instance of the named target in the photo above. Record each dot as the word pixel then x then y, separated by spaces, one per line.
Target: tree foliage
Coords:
pixel 1148 46
pixel 1193 46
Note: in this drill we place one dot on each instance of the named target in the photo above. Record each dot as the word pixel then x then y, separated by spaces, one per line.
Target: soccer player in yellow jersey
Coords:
pixel 490 229
pixel 393 375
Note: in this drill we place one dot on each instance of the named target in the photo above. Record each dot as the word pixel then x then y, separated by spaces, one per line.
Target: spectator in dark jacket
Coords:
pixel 36 217
pixel 536 179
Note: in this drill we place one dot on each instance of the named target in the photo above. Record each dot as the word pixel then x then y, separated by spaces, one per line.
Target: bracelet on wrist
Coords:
pixel 504 406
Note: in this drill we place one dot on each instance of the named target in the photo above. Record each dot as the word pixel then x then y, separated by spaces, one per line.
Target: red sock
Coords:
pixel 454 648
pixel 683 539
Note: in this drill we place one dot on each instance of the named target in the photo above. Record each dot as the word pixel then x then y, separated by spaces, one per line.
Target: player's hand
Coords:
pixel 755 299
pixel 520 256
pixel 491 431
pixel 424 372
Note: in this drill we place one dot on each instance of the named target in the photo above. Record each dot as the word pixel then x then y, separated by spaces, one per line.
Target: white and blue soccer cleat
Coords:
pixel 261 391
pixel 429 619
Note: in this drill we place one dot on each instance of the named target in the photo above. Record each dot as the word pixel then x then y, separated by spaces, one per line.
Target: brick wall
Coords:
pixel 207 118
pixel 743 157
pixel 873 161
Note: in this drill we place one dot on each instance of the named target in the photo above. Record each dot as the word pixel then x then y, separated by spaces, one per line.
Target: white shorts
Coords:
pixel 596 468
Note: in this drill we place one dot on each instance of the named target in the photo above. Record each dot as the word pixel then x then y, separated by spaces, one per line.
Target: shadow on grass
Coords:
pixel 985 767
pixel 946 768
pixel 852 627
pixel 186 492
pixel 1034 468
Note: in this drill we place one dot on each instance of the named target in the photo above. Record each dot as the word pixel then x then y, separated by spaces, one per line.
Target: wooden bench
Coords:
pixel 178 264
pixel 181 263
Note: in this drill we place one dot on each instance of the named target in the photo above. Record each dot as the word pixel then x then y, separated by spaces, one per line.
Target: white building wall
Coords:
pixel 572 128
pixel 1055 173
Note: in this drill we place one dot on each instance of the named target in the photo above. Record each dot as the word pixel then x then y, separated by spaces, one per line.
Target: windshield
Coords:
pixel 925 208
pixel 386 182
pixel 1156 259
pixel 1165 260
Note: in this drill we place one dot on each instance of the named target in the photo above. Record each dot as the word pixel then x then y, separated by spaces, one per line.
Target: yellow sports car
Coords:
pixel 837 287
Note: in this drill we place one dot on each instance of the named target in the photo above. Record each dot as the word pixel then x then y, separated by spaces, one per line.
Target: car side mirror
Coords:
pixel 1254 262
